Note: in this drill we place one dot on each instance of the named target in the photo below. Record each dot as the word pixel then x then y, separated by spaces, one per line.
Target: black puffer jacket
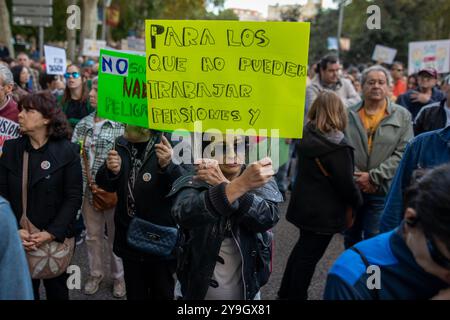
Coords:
pixel 318 202
pixel 430 118
pixel 151 202
pixel 204 212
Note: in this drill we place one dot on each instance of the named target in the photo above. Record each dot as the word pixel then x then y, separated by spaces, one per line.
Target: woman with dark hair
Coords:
pixel 75 101
pixel 21 77
pixel 324 194
pixel 54 181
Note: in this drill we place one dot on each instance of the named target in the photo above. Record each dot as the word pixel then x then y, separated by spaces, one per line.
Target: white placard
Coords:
pixel 91 48
pixel 8 130
pixel 384 54
pixel 115 65
pixel 429 54
pixel 55 60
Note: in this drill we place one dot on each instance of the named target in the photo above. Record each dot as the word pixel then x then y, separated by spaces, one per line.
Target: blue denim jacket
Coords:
pixel 427 150
pixel 15 279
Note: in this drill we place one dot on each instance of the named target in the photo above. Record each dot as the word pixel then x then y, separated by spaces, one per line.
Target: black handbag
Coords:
pixel 152 238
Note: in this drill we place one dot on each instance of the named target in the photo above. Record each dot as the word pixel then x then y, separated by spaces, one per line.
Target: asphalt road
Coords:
pixel 286 235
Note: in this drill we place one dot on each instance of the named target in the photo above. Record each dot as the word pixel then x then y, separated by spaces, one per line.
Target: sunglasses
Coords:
pixel 75 75
pixel 435 254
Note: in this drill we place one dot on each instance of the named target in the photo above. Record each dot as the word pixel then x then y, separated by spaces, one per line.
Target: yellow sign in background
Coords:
pixel 227 74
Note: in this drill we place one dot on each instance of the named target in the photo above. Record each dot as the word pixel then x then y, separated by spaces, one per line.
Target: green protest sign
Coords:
pixel 122 89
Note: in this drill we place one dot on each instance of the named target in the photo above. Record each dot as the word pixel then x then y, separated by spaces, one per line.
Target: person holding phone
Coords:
pixel 141 171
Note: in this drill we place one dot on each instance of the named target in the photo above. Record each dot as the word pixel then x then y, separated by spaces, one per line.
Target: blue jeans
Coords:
pixel 367 221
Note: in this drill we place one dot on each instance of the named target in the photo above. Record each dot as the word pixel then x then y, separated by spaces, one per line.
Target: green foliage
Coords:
pixel 402 21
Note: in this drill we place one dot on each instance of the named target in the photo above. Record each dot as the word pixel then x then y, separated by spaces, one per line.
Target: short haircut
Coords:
pixel 6 75
pixel 376 68
pixel 328 113
pixel 328 59
pixel 23 54
pixel 398 63
pixel 429 197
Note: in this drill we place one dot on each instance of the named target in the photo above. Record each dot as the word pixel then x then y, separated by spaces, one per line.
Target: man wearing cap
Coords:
pixel 427 93
pixel 435 115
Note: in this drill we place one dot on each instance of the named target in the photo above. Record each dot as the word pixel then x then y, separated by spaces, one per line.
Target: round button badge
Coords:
pixel 147 177
pixel 45 165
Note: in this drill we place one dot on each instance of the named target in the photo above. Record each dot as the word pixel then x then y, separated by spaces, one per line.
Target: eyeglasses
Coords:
pixel 435 254
pixel 75 75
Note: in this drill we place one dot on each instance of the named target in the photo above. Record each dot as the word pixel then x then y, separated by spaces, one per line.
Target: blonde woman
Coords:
pixel 324 193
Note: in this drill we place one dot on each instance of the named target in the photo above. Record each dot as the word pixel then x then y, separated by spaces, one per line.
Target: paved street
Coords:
pixel 286 236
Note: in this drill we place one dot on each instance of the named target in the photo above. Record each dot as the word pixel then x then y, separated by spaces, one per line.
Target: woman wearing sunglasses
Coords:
pixel 411 262
pixel 75 101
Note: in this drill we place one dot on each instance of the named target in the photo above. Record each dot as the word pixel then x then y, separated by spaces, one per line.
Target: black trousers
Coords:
pixel 301 265
pixel 149 280
pixel 55 289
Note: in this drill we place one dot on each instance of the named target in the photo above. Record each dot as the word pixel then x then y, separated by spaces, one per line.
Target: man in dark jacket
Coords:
pixel 424 152
pixel 433 116
pixel 428 92
pixel 140 170
pixel 225 212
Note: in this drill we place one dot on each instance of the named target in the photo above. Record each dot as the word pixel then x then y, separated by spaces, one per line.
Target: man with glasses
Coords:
pixel 413 261
pixel 427 93
pixel 379 131
pixel 399 87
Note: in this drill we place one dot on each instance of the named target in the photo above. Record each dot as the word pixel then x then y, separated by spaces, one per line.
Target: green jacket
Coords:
pixel 389 143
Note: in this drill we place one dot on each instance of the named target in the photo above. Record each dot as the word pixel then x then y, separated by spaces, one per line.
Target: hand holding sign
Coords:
pixel 208 170
pixel 254 176
pixel 114 162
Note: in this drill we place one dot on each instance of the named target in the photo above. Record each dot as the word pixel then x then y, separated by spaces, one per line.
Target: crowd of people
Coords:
pixel 372 165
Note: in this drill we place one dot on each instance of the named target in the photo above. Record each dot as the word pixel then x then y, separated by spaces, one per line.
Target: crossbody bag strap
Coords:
pixel 321 167
pixel 26 157
pixel 374 292
pixel 87 168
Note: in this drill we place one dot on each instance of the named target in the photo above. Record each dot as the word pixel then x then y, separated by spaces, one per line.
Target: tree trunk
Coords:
pixel 5 35
pixel 90 21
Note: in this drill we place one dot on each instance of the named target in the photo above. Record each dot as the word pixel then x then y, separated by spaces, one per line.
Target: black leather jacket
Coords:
pixel 206 217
